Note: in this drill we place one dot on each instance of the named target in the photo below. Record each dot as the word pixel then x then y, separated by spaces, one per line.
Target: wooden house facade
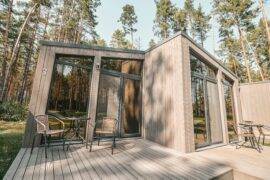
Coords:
pixel 175 94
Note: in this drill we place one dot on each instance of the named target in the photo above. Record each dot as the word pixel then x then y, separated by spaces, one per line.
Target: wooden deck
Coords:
pixel 247 163
pixel 133 159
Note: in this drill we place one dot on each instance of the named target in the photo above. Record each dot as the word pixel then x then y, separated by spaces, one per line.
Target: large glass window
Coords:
pixel 199 118
pixel 119 94
pixel 200 67
pixel 124 66
pixel 69 91
pixel 229 105
pixel 205 102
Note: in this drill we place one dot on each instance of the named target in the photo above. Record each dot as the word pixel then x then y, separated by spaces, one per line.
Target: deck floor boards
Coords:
pixel 133 158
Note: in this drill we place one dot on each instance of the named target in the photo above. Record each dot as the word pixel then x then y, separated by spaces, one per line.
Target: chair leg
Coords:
pixel 258 145
pixel 33 143
pixel 45 139
pixel 91 143
pixel 112 147
pixel 64 141
pixel 113 143
pixel 263 139
pixel 98 139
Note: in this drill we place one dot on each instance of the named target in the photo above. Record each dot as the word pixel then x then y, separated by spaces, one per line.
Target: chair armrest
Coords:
pixel 62 123
pixel 43 125
pixel 59 120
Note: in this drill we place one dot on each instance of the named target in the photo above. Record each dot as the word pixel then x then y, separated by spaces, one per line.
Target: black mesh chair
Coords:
pixel 105 128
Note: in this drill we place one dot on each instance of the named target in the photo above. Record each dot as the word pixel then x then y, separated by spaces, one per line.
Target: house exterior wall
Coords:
pixel 163 112
pixel 255 102
pixel 167 114
pixel 43 75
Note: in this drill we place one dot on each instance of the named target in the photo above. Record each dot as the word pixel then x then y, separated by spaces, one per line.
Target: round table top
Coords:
pixel 77 118
pixel 251 125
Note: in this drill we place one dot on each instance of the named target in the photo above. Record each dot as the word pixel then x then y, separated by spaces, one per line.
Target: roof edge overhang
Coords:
pixel 100 48
pixel 82 46
pixel 184 35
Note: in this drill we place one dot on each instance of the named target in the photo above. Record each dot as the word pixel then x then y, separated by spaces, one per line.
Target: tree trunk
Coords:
pixel 132 40
pixel 201 39
pixel 31 41
pixel 15 52
pixel 26 69
pixel 46 25
pixel 5 43
pixel 259 67
pixel 255 56
pixel 11 83
pixel 265 23
pixel 244 53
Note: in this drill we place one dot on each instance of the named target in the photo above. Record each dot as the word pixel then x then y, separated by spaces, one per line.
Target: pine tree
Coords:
pixel 189 9
pixel 266 23
pixel 179 21
pixel 237 14
pixel 119 40
pixel 258 43
pixel 201 25
pixel 129 19
pixel 152 43
pixel 164 18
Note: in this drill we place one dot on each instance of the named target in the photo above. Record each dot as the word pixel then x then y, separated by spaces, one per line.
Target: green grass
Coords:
pixel 10 143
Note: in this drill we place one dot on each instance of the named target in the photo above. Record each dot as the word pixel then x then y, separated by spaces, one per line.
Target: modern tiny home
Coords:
pixel 175 94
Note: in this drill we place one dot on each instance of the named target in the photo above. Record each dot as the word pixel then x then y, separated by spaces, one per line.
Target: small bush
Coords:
pixel 12 111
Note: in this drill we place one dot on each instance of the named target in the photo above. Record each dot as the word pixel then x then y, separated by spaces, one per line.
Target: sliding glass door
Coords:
pixel 131 111
pixel 199 116
pixel 214 112
pixel 108 103
pixel 119 95
pixel 230 115
pixel 205 101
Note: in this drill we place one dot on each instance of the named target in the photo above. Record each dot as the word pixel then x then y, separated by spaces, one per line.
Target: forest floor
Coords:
pixel 11 134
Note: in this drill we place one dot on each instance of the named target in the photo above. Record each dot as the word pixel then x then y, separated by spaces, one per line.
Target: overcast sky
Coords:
pixel 110 10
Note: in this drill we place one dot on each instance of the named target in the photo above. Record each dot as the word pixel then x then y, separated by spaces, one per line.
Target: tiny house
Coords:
pixel 175 94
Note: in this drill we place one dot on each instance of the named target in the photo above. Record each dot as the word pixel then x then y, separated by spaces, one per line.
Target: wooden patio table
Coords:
pixel 254 140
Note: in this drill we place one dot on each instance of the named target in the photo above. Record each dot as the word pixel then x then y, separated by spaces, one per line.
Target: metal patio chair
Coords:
pixel 261 130
pixel 248 135
pixel 44 130
pixel 105 128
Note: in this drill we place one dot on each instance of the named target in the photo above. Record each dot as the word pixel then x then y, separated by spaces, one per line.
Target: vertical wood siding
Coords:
pixel 255 102
pixel 162 95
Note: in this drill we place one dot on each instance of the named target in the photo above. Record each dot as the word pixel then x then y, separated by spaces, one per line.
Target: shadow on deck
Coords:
pixel 133 159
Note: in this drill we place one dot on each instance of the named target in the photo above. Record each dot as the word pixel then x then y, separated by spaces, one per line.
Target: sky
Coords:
pixel 110 11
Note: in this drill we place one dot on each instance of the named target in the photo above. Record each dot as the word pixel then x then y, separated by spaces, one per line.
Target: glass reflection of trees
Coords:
pixel 124 66
pixel 198 104
pixel 69 91
pixel 231 122
pixel 201 70
pixel 200 67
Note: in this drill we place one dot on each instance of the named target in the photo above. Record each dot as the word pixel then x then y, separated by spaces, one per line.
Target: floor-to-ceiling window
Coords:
pixel 119 94
pixel 70 86
pixel 229 106
pixel 205 101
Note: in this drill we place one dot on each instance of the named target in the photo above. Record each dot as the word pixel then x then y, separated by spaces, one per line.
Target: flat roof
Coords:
pixel 101 48
pixel 84 46
pixel 197 45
